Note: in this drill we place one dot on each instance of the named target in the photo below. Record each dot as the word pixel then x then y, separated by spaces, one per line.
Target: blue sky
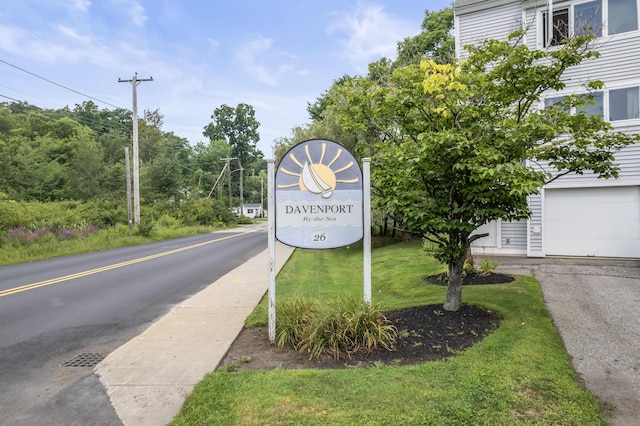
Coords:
pixel 275 55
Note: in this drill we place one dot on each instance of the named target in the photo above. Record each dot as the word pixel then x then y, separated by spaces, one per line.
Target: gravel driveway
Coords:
pixel 595 304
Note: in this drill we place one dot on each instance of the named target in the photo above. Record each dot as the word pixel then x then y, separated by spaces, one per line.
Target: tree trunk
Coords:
pixel 469 258
pixel 454 290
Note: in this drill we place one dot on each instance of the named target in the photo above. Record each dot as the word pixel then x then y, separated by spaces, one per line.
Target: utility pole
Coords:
pixel 241 190
pixel 228 160
pixel 128 174
pixel 136 165
pixel 261 195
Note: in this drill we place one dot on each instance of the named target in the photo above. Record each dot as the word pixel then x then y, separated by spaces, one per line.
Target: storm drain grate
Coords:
pixel 86 359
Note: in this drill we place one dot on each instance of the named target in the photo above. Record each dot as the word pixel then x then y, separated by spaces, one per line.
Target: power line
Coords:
pixel 8 97
pixel 57 84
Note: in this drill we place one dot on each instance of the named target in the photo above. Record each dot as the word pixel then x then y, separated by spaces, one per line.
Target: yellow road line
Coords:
pixel 117 265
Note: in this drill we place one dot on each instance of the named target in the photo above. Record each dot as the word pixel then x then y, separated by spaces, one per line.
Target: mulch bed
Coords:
pixel 426 333
pixel 474 278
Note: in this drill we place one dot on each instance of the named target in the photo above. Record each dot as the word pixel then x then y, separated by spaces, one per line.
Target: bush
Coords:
pixel 487 266
pixel 46 232
pixel 243 220
pixel 292 316
pixel 337 329
pixel 204 211
pixel 168 221
pixel 59 215
pixel 145 229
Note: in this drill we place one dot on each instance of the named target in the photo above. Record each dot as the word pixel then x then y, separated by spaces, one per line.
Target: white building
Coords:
pixel 249 210
pixel 576 215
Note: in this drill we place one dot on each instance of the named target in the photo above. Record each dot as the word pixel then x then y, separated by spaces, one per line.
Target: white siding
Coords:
pixel 619 61
pixel 514 235
pixel 530 23
pixel 618 66
pixel 628 161
pixel 488 241
pixel 473 28
pixel 535 246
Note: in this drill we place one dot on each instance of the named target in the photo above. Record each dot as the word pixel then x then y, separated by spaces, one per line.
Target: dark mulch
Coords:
pixel 425 333
pixel 474 278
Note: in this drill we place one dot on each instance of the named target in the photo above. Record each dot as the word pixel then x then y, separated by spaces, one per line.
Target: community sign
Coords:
pixel 318 196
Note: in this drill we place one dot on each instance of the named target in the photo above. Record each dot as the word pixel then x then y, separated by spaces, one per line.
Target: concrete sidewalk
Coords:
pixel 148 378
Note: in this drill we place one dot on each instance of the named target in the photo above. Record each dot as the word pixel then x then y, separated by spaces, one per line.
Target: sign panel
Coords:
pixel 318 194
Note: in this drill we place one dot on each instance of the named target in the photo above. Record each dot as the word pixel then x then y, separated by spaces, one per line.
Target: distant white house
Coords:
pixel 576 215
pixel 249 210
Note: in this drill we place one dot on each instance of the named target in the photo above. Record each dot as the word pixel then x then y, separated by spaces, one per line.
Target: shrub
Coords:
pixel 168 221
pixel 487 266
pixel 243 220
pixel 204 211
pixel 145 228
pixel 17 236
pixel 292 317
pixel 332 328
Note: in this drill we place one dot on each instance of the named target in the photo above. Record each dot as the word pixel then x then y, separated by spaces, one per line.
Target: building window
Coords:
pixel 623 16
pixel 621 104
pixel 590 17
pixel 559 27
pixel 550 102
pixel 596 108
pixel 624 104
pixel 587 18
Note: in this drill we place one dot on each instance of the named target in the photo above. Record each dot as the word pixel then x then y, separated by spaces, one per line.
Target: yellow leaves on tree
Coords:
pixel 441 81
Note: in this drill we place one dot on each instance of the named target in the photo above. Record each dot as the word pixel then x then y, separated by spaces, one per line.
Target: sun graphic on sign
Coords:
pixel 317 178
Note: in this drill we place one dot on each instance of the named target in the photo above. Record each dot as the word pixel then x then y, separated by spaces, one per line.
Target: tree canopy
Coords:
pixel 239 127
pixel 78 154
pixel 456 141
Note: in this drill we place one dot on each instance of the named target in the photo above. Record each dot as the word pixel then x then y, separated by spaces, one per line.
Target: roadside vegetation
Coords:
pixel 519 374
pixel 33 230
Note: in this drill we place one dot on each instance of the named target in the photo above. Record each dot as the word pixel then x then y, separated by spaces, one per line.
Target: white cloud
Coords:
pixel 213 44
pixel 367 34
pixel 138 15
pixel 10 38
pixel 82 5
pixel 71 33
pixel 249 57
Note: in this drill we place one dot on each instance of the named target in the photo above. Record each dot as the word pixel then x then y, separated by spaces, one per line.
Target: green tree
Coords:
pixel 207 163
pixel 166 175
pixel 102 121
pixel 457 139
pixel 150 136
pixel 239 127
pixel 86 168
pixel 435 41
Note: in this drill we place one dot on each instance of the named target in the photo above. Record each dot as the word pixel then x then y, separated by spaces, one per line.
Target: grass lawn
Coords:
pixel 520 374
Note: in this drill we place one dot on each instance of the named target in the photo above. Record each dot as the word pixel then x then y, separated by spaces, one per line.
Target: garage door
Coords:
pixel 593 222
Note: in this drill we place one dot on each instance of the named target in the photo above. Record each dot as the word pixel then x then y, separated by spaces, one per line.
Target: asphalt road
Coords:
pixel 51 311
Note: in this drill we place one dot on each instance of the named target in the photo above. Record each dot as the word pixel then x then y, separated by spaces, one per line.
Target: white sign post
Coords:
pixel 366 170
pixel 271 242
pixel 319 204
